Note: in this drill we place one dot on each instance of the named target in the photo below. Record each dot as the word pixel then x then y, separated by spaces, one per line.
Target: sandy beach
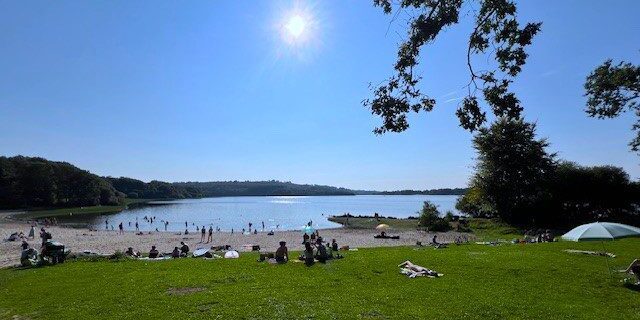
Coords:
pixel 107 242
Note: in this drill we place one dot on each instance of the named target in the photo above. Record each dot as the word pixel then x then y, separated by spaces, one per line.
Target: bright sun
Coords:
pixel 296 25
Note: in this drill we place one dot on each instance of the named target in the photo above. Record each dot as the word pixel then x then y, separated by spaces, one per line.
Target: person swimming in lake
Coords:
pixel 153 253
pixel 282 253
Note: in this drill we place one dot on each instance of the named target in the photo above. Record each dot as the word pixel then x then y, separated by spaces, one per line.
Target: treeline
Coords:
pixel 518 181
pixel 137 189
pixel 27 182
pixel 262 188
pixel 36 182
pixel 443 191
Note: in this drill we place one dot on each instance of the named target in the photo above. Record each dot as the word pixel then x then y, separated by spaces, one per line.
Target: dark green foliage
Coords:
pixel 430 218
pixel 496 35
pixel 137 189
pixel 37 182
pixel 443 191
pixel 600 193
pixel 513 170
pixel 612 90
pixel 519 182
pixel 262 188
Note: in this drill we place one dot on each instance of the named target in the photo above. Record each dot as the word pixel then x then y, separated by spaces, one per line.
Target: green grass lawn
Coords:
pixel 535 281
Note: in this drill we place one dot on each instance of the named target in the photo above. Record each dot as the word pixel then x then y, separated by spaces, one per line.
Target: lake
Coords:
pixel 281 212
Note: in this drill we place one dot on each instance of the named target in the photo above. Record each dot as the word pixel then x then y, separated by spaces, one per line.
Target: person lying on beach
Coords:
pixel 634 269
pixel 414 270
pixel 132 253
pixel 184 249
pixel 282 253
pixel 153 253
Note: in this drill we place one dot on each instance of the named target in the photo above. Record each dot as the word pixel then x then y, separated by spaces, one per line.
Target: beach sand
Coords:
pixel 107 242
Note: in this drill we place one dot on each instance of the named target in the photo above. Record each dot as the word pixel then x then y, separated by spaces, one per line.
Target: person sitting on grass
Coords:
pixel 321 253
pixel 175 253
pixel 334 245
pixel 184 249
pixel 131 253
pixel 282 253
pixel 308 254
pixel 153 253
pixel 634 269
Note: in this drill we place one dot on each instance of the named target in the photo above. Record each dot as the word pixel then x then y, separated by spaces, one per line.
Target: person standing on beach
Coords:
pixel 106 224
pixel 250 224
pixel 32 232
pixel 120 228
pixel 137 226
pixel 202 234
pixel 210 238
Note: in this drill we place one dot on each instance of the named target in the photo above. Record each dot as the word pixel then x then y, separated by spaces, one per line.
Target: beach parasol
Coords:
pixel 601 231
pixel 308 230
pixel 382 226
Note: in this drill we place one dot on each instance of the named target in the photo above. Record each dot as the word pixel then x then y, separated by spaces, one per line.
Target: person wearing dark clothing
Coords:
pixel 308 254
pixel 322 255
pixel 154 252
pixel 282 253
pixel 202 234
pixel 334 245
pixel 184 249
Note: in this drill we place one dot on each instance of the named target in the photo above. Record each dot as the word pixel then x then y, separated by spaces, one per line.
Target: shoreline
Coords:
pixel 108 242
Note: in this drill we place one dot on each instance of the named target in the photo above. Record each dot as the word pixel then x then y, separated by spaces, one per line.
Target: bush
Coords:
pixel 430 218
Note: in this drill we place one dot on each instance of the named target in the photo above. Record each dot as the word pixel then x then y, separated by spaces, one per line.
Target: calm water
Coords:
pixel 282 213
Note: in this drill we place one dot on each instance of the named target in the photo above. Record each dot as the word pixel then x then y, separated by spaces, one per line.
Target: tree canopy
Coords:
pixel 496 34
pixel 612 90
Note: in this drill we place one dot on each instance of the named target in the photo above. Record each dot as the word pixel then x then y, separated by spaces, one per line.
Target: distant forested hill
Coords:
pixel 137 189
pixel 27 182
pixel 263 188
pixel 37 182
pixel 444 191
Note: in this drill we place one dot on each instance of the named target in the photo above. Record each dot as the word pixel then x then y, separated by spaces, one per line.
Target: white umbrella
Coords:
pixel 601 231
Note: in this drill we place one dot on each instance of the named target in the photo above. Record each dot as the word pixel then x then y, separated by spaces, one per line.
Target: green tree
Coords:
pixel 496 35
pixel 612 90
pixel 430 218
pixel 513 170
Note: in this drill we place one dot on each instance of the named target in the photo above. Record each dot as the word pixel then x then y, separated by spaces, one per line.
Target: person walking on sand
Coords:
pixel 202 232
pixel 32 232
pixel 120 228
pixel 210 238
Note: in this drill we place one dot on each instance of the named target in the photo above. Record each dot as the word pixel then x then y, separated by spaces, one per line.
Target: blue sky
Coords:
pixel 211 90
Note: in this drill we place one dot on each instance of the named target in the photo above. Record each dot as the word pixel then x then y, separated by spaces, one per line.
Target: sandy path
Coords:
pixel 107 242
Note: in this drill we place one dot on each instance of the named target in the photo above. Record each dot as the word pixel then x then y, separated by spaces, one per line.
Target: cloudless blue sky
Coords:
pixel 210 90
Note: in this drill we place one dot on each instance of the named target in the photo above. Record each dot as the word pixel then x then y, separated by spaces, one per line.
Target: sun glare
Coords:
pixel 296 25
